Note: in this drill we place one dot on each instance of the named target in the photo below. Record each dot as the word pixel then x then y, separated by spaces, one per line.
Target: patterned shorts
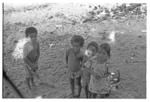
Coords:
pixel 74 75
pixel 30 72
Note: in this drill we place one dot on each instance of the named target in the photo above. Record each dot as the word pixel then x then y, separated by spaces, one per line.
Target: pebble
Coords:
pixel 51 45
pixel 143 31
pixel 38 97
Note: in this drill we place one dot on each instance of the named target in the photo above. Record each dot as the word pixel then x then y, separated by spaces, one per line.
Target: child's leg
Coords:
pixel 104 95
pixel 32 81
pixel 79 85
pixel 35 72
pixel 94 95
pixel 33 76
pixel 72 86
pixel 89 94
pixel 28 83
pixel 28 78
pixel 86 91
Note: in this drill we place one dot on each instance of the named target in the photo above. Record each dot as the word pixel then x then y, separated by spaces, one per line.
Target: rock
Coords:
pixel 38 97
pixel 58 26
pixel 112 36
pixel 51 45
pixel 93 30
pixel 140 36
pixel 143 31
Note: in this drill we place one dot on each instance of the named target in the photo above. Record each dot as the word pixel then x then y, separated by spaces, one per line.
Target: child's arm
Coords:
pixel 26 51
pixel 66 57
pixel 38 52
pixel 107 66
pixel 88 68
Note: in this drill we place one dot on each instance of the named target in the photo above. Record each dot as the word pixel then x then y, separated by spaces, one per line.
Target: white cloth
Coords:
pixel 27 48
pixel 99 85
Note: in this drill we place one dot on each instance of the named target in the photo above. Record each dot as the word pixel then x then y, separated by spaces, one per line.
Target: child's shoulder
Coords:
pixel 38 44
pixel 28 44
pixel 69 50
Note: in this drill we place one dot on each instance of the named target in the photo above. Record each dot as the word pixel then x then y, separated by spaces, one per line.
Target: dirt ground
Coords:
pixel 128 54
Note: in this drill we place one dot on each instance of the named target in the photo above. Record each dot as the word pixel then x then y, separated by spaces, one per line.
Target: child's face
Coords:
pixel 76 47
pixel 91 51
pixel 102 56
pixel 33 36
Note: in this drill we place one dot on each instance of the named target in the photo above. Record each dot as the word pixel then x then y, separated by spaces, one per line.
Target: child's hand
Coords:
pixel 97 76
pixel 35 66
pixel 66 66
pixel 88 64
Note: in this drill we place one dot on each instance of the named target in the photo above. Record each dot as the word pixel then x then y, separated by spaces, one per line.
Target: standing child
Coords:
pixel 99 86
pixel 31 55
pixel 90 53
pixel 74 58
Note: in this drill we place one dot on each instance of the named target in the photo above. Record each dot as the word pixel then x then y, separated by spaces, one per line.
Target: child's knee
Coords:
pixel 79 81
pixel 71 81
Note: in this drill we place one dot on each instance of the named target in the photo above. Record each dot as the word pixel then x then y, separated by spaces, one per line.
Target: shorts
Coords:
pixel 74 75
pixel 85 82
pixel 30 72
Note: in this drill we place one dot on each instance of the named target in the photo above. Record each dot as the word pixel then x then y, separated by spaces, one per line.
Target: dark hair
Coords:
pixel 106 47
pixel 93 43
pixel 77 39
pixel 30 30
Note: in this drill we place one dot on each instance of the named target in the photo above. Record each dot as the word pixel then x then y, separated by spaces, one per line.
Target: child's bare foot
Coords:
pixel 104 95
pixel 71 96
pixel 77 96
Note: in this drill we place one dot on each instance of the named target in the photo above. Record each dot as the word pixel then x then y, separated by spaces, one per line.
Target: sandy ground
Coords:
pixel 128 55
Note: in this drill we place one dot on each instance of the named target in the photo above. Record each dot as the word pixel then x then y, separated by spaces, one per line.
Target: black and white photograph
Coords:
pixel 74 50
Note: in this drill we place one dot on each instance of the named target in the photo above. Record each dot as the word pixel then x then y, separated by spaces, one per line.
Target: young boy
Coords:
pixel 31 55
pixel 90 53
pixel 74 58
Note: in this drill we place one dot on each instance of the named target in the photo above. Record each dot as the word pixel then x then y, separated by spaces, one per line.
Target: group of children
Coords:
pixel 89 68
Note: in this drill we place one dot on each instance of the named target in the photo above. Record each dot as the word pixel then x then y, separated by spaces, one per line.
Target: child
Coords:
pixel 98 85
pixel 31 55
pixel 74 58
pixel 90 53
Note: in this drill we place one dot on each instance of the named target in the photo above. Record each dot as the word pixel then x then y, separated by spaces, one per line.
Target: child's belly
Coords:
pixel 74 64
pixel 33 56
pixel 74 67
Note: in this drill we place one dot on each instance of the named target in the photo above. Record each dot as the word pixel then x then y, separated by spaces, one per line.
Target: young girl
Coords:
pixel 90 53
pixel 99 85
